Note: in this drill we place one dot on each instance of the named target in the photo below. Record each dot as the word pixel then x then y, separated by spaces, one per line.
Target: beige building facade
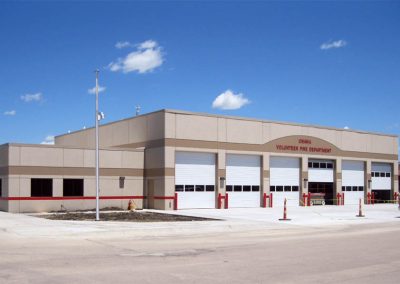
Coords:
pixel 192 160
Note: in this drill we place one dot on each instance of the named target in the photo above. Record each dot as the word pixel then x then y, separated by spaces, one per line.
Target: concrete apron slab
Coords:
pixel 235 220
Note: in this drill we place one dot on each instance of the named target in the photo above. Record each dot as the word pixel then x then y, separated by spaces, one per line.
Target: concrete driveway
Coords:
pixel 320 245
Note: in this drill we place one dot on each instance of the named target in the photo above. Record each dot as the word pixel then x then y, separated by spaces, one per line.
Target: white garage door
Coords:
pixel 353 181
pixel 243 180
pixel 195 179
pixel 381 176
pixel 320 171
pixel 285 180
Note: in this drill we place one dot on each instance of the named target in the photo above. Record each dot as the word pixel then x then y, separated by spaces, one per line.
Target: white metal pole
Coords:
pixel 97 146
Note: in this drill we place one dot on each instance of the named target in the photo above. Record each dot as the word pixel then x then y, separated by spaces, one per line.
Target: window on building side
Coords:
pixel 255 188
pixel 209 188
pixel 229 188
pixel 41 187
pixel 179 187
pixel 73 187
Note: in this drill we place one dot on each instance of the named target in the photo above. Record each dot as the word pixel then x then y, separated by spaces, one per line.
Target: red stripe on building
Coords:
pixel 70 198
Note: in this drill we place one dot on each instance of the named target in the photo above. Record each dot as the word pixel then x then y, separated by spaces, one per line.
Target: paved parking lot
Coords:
pixel 320 245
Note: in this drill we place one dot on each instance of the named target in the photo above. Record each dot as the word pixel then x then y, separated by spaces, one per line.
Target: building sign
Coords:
pixel 301 144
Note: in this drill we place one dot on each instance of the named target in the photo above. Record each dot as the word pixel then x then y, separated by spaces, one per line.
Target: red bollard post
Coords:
pixel 338 199
pixel 219 201
pixel 265 200
pixel 176 201
pixel 304 200
pixel 343 198
pixel 271 203
pixel 226 200
pixel 309 199
pixel 284 212
pixel 368 198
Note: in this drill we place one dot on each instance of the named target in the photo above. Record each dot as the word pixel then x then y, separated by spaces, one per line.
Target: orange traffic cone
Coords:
pixel 284 212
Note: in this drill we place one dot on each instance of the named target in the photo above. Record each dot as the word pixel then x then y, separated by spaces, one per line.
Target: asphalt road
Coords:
pixel 367 253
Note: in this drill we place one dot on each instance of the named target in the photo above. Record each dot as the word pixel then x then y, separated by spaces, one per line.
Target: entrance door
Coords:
pixel 326 188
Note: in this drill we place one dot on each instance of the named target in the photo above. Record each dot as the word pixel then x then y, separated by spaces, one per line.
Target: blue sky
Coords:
pixel 327 63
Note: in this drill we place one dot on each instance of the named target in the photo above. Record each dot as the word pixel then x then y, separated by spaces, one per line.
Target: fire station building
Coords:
pixel 175 158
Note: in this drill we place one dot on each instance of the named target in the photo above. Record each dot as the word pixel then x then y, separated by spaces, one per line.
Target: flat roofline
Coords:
pixel 236 118
pixel 276 122
pixel 70 147
pixel 112 122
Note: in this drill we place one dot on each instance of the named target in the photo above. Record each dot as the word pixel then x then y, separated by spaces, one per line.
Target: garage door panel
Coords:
pixel 284 171
pixel 243 172
pixel 285 175
pixel 353 197
pixel 381 176
pixel 292 198
pixel 195 179
pixel 244 199
pixel 353 173
pixel 187 200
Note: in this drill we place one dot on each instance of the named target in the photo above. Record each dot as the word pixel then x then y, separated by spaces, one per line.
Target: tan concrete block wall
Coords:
pixel 4 155
pixel 242 131
pixel 196 127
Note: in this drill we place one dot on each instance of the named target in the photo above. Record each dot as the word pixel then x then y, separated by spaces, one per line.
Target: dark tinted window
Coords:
pixel 246 188
pixel 237 188
pixel 229 188
pixel 189 188
pixel 329 165
pixel 382 174
pixel 315 165
pixel 287 188
pixel 199 187
pixel 295 188
pixel 343 188
pixel 209 188
pixel 255 188
pixel 348 188
pixel 178 187
pixel 360 188
pixel 322 165
pixel 355 188
pixel 73 187
pixel 272 188
pixel 1 187
pixel 279 188
pixel 41 187
pixel 309 164
pixel 387 175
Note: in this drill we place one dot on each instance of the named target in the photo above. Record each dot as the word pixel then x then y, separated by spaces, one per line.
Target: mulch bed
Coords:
pixel 134 216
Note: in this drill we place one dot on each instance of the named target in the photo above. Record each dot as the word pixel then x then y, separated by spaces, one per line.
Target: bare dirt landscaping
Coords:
pixel 125 216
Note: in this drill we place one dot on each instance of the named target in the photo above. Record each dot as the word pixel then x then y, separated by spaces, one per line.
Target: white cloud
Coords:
pixel 333 44
pixel 147 57
pixel 10 112
pixel 92 91
pixel 37 97
pixel 49 140
pixel 122 44
pixel 229 100
pixel 147 44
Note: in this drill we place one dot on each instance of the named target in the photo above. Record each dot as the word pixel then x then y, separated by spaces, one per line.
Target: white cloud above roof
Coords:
pixel 92 91
pixel 36 97
pixel 49 140
pixel 333 44
pixel 147 57
pixel 10 112
pixel 228 100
